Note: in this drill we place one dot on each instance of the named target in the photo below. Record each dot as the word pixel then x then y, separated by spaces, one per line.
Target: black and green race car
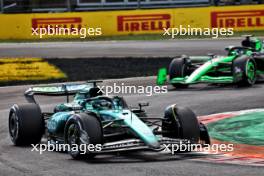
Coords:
pixel 92 118
pixel 243 65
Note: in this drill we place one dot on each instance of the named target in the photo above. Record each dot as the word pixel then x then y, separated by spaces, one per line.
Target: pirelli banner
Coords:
pixel 109 23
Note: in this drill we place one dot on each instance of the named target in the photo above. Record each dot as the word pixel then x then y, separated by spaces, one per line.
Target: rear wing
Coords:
pixel 58 90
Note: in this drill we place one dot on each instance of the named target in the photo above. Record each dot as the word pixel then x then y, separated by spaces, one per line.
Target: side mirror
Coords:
pixel 142 104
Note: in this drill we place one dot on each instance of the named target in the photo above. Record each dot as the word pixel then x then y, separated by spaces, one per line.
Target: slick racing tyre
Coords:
pixel 181 123
pixel 83 129
pixel 178 68
pixel 26 125
pixel 244 71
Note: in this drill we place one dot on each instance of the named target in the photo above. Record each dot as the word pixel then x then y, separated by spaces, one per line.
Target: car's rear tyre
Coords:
pixel 182 123
pixel 83 129
pixel 26 125
pixel 178 68
pixel 244 71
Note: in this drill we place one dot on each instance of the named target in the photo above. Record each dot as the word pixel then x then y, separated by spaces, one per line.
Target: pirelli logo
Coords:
pixel 150 22
pixel 71 22
pixel 237 19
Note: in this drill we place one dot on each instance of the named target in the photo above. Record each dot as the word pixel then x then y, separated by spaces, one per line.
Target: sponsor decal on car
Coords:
pixel 238 70
pixel 147 22
pixel 237 19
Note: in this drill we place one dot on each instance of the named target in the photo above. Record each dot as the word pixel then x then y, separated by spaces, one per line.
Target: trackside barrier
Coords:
pixel 241 18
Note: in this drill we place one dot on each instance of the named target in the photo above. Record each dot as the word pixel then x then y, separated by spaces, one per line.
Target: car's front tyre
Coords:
pixel 179 69
pixel 82 129
pixel 181 123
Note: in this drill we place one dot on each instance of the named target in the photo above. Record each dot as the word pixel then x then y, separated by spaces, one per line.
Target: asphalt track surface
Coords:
pixel 202 99
pixel 157 48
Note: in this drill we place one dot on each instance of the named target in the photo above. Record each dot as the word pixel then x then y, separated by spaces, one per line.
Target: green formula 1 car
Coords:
pixel 243 65
pixel 92 118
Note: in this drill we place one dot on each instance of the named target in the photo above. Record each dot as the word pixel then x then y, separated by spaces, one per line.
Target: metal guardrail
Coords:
pixel 140 2
pixel 24 6
pixel 18 6
pixel 90 8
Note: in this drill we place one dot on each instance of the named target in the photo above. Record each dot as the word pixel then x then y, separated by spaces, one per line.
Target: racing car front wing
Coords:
pixel 137 144
pixel 204 79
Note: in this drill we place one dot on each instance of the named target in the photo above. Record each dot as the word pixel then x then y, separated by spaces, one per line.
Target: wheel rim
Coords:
pixel 251 72
pixel 73 136
pixel 13 126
